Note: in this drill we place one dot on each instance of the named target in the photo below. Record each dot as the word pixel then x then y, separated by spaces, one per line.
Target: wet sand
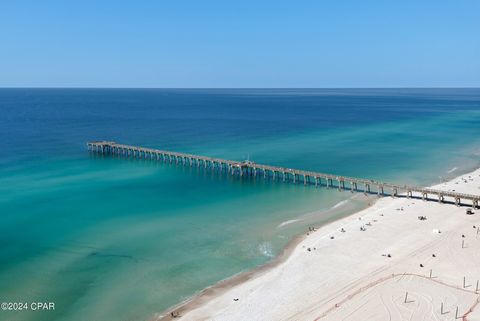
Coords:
pixel 386 264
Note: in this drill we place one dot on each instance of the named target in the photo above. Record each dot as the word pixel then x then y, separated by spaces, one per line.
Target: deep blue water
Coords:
pixel 118 239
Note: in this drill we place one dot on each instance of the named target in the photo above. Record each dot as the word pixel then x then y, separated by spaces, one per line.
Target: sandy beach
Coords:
pixel 383 263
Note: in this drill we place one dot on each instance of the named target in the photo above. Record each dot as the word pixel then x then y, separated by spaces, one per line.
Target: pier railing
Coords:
pixel 248 168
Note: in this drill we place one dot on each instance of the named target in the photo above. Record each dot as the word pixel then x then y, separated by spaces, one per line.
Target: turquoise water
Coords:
pixel 115 239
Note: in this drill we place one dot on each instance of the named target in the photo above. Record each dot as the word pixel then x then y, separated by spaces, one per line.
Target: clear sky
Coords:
pixel 175 43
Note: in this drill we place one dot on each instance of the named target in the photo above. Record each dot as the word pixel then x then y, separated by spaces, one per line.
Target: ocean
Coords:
pixel 108 238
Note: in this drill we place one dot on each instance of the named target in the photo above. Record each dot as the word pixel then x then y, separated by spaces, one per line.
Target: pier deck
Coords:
pixel 284 174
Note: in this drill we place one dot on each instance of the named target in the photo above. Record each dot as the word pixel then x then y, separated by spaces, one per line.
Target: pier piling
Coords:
pixel 249 168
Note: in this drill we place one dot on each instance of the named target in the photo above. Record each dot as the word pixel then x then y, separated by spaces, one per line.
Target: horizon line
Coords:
pixel 200 88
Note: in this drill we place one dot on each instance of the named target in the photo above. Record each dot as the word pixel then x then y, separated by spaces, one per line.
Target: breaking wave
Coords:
pixel 452 170
pixel 287 222
pixel 266 249
pixel 340 204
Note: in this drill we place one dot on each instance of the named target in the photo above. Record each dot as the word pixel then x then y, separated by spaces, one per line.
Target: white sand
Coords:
pixel 351 271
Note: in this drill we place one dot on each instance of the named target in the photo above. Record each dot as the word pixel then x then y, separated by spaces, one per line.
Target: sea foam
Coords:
pixel 340 204
pixel 287 222
pixel 266 249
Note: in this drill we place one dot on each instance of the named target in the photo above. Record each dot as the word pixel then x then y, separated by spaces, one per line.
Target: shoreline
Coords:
pixel 207 295
pixel 226 284
pixel 220 287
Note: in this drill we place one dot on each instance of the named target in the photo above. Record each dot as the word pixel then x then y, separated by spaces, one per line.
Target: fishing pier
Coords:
pixel 295 176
